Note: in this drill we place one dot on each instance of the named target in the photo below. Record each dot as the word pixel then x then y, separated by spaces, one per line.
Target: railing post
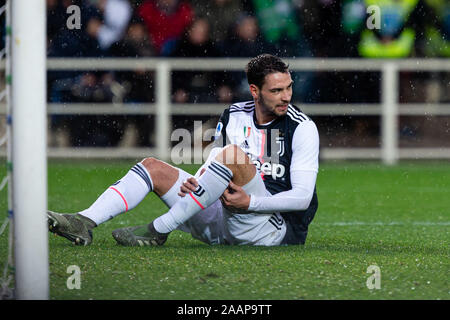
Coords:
pixel 163 112
pixel 389 115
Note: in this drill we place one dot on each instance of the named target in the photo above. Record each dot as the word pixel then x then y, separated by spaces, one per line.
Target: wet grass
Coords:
pixel 396 217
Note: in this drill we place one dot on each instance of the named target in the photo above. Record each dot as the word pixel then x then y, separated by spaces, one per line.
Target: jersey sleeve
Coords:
pixel 303 173
pixel 305 148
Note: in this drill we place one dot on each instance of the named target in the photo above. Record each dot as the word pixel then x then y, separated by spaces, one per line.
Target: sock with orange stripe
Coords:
pixel 211 185
pixel 122 196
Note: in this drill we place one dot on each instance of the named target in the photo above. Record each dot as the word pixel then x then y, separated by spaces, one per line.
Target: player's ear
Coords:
pixel 254 91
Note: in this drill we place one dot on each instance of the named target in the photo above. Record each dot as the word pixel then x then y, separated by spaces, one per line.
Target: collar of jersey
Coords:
pixel 268 125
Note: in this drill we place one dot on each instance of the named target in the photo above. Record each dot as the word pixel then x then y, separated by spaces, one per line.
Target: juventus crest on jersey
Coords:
pixel 269 145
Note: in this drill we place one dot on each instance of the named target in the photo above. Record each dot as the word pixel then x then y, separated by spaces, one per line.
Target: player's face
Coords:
pixel 275 94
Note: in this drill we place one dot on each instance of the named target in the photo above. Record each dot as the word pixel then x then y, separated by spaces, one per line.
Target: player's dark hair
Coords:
pixel 259 67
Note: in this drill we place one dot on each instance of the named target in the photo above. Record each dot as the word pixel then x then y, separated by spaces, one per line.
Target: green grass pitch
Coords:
pixel 396 218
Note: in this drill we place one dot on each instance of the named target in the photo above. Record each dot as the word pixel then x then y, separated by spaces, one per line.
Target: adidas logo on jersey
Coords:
pixel 245 145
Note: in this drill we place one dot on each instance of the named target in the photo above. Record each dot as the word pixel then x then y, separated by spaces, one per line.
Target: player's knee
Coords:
pixel 232 155
pixel 162 174
pixel 151 164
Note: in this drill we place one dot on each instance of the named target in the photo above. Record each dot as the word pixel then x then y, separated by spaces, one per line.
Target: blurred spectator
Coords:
pixel 437 28
pixel 73 42
pixel 321 27
pixel 437 31
pixel 244 40
pixel 56 18
pixel 196 85
pixel 396 36
pixel 353 15
pixel 221 14
pixel 337 35
pixel 116 15
pixel 281 27
pixel 433 20
pixel 279 24
pixel 137 83
pixel 166 20
pixel 135 43
pixel 99 130
pixel 196 41
pixel 234 28
pixel 102 25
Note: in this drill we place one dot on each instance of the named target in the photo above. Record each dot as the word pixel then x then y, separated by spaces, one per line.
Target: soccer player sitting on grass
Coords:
pixel 250 191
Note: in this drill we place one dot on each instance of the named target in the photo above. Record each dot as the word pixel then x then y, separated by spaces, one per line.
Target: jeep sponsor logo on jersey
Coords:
pixel 276 170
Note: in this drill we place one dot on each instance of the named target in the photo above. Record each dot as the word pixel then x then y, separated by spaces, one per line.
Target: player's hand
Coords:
pixel 189 185
pixel 235 199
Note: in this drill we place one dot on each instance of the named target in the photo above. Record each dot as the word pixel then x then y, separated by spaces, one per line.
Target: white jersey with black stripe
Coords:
pixel 271 145
pixel 286 154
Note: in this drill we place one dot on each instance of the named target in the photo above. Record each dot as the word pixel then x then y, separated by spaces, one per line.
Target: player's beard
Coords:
pixel 269 110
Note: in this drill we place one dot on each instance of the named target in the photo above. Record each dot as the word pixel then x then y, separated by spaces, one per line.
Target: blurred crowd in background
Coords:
pixel 239 28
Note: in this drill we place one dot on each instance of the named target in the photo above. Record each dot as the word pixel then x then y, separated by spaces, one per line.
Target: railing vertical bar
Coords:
pixel 163 109
pixel 389 116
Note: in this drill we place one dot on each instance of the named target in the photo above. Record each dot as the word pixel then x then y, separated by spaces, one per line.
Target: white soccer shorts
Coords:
pixel 217 225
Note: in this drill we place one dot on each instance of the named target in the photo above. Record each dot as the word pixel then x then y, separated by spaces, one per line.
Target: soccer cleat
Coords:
pixel 139 236
pixel 74 227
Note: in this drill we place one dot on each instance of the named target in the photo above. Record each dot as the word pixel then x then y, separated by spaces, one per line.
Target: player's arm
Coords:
pixel 303 173
pixel 108 32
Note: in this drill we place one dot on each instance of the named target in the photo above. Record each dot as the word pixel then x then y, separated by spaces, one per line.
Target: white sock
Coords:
pixel 211 186
pixel 122 196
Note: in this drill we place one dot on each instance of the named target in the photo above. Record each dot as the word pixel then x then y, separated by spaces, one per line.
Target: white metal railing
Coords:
pixel 389 109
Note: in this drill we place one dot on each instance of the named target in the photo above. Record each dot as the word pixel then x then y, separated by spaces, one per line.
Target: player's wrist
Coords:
pixel 247 205
pixel 252 203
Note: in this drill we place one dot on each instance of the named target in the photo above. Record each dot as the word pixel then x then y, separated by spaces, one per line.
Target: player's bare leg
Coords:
pixel 163 174
pixel 235 159
pixel 231 164
pixel 149 175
